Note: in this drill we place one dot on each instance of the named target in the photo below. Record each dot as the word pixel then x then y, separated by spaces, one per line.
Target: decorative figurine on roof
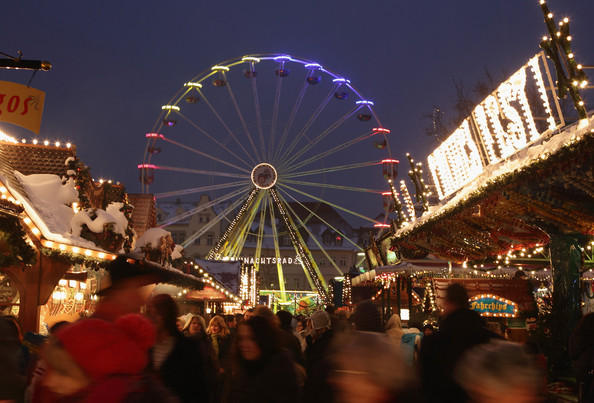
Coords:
pixel 105 228
pixel 157 245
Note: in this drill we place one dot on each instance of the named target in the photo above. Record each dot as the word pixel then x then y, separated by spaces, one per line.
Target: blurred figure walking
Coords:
pixel 175 359
pixel 261 370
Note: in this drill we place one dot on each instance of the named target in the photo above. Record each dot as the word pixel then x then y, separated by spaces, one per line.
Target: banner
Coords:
pixel 492 305
pixel 21 105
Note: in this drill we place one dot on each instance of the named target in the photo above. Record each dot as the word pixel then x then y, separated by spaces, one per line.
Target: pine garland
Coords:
pixel 19 252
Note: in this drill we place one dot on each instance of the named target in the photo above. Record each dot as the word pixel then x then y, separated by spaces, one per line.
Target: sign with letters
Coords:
pixel 21 105
pixel 515 115
pixel 492 305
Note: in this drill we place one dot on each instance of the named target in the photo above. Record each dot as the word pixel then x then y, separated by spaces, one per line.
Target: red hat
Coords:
pixel 103 348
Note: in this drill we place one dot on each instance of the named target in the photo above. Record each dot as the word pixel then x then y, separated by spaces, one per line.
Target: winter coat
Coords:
pixel 581 351
pixel 394 329
pixel 182 371
pixel 268 380
pixel 317 388
pixel 460 331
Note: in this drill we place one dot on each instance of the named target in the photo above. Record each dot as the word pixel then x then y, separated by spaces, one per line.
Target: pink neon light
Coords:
pixel 386 193
pixel 154 135
pixel 381 130
pixel 386 161
pixel 381 225
pixel 146 166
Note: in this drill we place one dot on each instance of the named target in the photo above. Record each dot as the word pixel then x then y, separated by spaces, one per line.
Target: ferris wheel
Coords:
pixel 265 135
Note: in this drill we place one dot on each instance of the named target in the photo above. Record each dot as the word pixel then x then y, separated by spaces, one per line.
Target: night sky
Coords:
pixel 116 62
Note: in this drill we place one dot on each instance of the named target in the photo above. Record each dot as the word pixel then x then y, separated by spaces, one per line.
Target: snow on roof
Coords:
pixel 151 236
pixel 494 172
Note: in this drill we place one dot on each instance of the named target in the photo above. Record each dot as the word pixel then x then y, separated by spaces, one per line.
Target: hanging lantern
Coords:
pixel 390 169
pixel 313 80
pixel 250 73
pixel 341 95
pixel 282 72
pixel 147 173
pixel 154 150
pixel 364 117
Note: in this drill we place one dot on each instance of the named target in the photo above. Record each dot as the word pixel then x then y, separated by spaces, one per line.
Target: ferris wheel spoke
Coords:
pixel 258 114
pixel 201 189
pixel 201 172
pixel 203 230
pixel 229 131
pixel 332 186
pixel 237 239
pixel 308 124
pixel 337 168
pixel 240 115
pixel 203 207
pixel 291 119
pixel 324 154
pixel 201 130
pixel 320 136
pixel 312 236
pixel 322 220
pixel 206 155
pixel 371 220
pixel 260 233
pixel 277 95
pixel 279 266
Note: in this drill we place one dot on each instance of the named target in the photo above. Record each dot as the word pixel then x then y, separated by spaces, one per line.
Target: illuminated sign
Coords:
pixel 262 259
pixel 514 116
pixel 492 305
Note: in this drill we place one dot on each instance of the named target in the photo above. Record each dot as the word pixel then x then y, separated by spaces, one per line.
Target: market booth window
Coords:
pixel 9 297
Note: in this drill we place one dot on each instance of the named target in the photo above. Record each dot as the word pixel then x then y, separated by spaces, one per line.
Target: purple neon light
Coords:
pixel 282 58
pixel 155 135
pixel 364 102
pixel 341 80
pixel 313 66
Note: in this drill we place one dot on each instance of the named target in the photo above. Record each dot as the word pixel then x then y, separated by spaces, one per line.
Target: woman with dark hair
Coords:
pixel 581 351
pixel 176 360
pixel 262 371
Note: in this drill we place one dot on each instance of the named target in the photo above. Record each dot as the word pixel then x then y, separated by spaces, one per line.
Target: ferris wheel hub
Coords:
pixel 264 176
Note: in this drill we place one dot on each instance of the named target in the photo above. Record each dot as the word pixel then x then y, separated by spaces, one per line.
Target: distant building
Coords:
pixel 329 239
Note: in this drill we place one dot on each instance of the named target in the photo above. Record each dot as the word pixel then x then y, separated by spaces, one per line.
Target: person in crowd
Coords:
pixel 581 351
pixel 195 328
pixel 500 371
pixel 288 340
pixel 368 368
pixel 428 330
pixel 12 383
pixel 220 340
pixel 317 352
pixel 300 333
pixel 394 329
pixel 180 322
pixel 263 310
pixel 94 360
pixel 461 330
pixel 248 313
pixel 262 371
pixel 495 327
pixel 410 345
pixel 176 360
pixel 367 318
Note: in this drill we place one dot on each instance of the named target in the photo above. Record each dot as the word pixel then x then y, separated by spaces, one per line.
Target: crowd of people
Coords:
pixel 261 356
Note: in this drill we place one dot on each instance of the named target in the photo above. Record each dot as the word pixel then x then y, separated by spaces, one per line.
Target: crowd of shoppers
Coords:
pixel 330 356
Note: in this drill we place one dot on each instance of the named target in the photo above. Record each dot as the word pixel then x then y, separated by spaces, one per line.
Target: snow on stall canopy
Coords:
pixel 47 205
pixel 514 163
pixel 152 237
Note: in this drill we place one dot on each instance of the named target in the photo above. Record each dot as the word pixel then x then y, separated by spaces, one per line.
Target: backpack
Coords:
pixel 408 348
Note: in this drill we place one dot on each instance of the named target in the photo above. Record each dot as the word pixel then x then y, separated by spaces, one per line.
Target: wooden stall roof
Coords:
pixel 518 291
pixel 144 214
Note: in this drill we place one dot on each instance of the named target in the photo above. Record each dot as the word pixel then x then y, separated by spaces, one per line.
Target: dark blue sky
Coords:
pixel 116 62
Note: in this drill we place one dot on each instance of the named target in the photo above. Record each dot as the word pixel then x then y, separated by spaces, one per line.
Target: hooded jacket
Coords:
pixel 394 329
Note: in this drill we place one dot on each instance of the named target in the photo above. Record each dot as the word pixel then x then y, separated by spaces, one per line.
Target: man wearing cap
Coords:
pixel 318 368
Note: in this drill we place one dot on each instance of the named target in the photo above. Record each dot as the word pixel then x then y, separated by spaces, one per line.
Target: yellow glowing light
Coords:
pixel 3 189
pixel 219 68
pixel 101 255
pixel 170 107
pixel 62 247
pixel 250 59
pixel 75 249
pixel 35 230
pixel 68 145
pixel 195 85
pixel 88 252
